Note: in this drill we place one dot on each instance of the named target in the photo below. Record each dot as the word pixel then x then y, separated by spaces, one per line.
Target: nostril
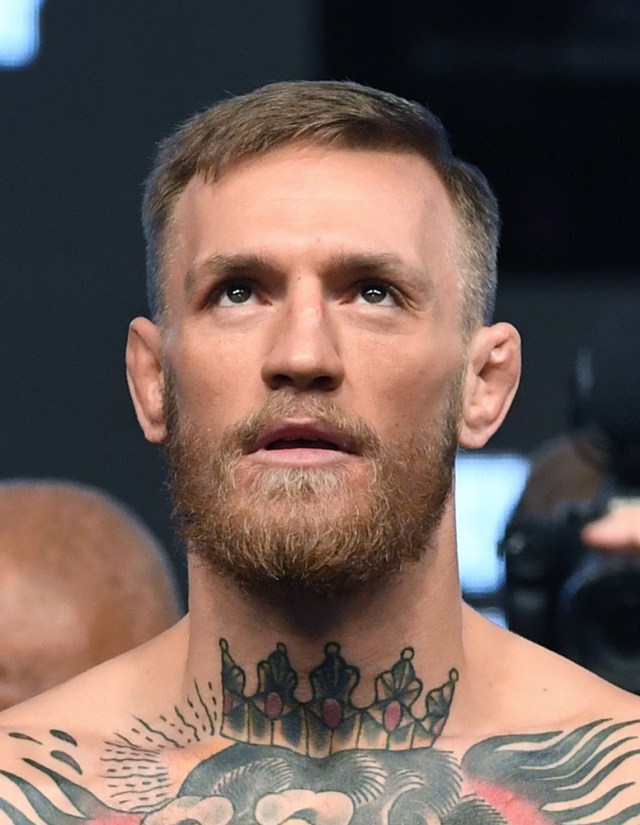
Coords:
pixel 281 378
pixel 316 382
pixel 323 382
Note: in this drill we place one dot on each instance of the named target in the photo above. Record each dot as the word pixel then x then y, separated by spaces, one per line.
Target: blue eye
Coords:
pixel 374 293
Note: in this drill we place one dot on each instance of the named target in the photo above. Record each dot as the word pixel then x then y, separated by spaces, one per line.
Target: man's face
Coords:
pixel 313 363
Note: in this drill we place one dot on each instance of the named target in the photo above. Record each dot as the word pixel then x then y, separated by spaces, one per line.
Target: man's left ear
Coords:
pixel 491 381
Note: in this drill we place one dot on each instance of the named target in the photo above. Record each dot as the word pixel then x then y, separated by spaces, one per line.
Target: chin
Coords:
pixel 315 544
pixel 291 485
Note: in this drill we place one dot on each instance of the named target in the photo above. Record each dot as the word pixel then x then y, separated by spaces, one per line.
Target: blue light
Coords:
pixel 487 488
pixel 19 32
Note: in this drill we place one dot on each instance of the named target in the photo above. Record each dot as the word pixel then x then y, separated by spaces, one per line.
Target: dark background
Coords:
pixel 544 97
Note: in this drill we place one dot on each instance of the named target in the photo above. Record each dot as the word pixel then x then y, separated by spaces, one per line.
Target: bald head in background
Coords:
pixel 81 580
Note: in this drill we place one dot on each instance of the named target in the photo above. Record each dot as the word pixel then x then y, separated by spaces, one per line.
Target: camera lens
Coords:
pixel 599 619
pixel 618 622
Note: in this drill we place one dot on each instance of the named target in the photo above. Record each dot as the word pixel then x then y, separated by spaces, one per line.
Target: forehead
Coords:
pixel 304 201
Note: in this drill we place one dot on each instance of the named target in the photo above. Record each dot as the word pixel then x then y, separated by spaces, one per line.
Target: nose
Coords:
pixel 304 352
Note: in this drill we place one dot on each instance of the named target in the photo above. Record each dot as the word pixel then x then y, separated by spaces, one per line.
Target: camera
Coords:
pixel 578 601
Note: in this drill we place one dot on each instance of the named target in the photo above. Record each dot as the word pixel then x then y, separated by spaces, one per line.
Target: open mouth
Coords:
pixel 301 436
pixel 301 444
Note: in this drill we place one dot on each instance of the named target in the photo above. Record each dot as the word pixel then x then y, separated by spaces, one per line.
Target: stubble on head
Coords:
pixel 327 531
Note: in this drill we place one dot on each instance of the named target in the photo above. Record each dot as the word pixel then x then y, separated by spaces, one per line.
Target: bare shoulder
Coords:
pixel 526 684
pixel 585 771
pixel 54 748
pixel 24 750
pixel 548 742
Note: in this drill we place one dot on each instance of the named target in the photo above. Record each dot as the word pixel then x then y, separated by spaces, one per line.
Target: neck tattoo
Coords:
pixel 330 722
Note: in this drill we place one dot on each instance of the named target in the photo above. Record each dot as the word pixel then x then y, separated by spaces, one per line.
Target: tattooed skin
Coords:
pixel 334 763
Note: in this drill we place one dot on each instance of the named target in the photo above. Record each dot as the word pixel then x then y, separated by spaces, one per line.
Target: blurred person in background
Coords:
pixel 81 580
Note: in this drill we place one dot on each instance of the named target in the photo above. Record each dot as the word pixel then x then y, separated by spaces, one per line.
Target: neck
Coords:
pixel 348 648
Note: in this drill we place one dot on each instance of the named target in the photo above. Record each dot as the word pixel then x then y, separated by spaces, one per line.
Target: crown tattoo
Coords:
pixel 329 722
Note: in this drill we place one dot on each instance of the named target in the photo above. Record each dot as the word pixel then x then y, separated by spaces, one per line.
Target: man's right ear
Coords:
pixel 146 378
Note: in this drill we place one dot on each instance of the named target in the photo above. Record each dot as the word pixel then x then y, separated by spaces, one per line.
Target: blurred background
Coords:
pixel 543 96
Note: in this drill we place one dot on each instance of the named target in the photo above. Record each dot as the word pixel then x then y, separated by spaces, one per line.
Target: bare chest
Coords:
pixel 582 775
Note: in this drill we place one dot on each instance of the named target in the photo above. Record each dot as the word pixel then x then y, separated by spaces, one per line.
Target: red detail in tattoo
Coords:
pixel 273 706
pixel 331 713
pixel 392 715
pixel 227 704
pixel 437 727
pixel 516 809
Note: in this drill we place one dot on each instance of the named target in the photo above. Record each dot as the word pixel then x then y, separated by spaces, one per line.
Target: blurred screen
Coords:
pixel 487 488
pixel 19 32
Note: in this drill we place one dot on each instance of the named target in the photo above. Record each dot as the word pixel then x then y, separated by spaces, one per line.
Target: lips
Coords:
pixel 301 436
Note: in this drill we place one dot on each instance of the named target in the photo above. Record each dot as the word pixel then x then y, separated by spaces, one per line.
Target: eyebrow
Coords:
pixel 381 265
pixel 374 265
pixel 228 266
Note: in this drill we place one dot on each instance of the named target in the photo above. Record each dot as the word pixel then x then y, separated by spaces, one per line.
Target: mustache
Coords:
pixel 320 409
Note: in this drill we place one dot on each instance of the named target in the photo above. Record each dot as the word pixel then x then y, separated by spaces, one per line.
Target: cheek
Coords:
pixel 404 390
pixel 213 381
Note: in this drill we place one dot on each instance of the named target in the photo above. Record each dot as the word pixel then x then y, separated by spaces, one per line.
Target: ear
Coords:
pixel 493 373
pixel 145 377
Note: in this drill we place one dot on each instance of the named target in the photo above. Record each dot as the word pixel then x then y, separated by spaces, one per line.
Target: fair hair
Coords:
pixel 344 115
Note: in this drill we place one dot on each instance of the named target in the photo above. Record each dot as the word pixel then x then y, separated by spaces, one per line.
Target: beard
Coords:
pixel 322 530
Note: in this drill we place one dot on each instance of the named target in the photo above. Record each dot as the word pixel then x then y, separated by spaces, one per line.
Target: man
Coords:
pixel 321 274
pixel 81 580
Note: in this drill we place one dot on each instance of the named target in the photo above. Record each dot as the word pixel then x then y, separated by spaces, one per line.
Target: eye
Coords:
pixel 376 293
pixel 233 294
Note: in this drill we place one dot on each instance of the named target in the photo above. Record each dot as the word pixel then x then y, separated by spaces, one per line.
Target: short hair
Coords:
pixel 338 114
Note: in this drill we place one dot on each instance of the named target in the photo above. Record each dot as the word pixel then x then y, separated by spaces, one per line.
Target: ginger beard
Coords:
pixel 323 530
